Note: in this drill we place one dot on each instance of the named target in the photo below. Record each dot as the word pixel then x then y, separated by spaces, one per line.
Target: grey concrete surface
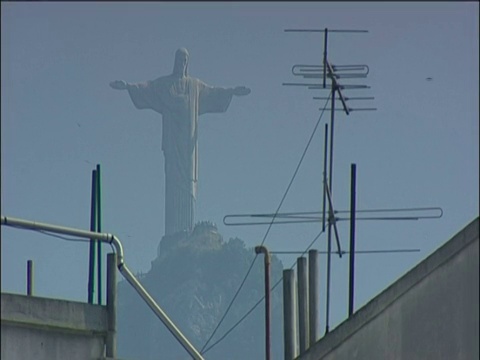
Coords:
pixel 432 312
pixel 49 329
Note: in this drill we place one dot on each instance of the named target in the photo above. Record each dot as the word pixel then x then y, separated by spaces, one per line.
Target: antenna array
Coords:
pixel 317 77
pixel 334 73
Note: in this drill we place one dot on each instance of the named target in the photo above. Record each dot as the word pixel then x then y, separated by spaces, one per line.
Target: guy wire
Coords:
pixel 270 225
pixel 259 301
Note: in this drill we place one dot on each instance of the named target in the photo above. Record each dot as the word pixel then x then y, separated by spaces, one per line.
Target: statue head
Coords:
pixel 181 62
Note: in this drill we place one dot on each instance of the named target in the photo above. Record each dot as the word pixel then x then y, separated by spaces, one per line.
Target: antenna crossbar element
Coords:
pixel 352 109
pixel 310 85
pixel 320 87
pixel 329 87
pixel 316 216
pixel 347 98
pixel 336 75
pixel 323 30
pixel 375 251
pixel 340 71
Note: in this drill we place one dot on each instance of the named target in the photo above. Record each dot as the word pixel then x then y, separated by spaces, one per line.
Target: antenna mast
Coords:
pixel 334 73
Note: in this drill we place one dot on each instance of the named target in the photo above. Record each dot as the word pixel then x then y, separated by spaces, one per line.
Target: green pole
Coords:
pixel 99 229
pixel 91 261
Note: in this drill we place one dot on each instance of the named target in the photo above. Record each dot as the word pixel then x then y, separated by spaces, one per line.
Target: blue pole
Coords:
pixel 99 229
pixel 351 279
pixel 91 261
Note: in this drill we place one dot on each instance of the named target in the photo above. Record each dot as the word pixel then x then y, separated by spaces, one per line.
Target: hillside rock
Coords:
pixel 193 279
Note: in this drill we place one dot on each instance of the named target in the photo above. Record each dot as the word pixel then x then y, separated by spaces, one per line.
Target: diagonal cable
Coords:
pixel 270 225
pixel 67 238
pixel 259 301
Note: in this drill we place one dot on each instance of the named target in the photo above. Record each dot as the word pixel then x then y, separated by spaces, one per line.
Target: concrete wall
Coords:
pixel 50 329
pixel 430 313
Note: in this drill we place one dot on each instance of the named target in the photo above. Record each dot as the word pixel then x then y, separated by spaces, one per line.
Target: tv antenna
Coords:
pixel 334 73
pixel 334 77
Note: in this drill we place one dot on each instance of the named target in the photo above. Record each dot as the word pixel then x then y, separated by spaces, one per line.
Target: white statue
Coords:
pixel 180 99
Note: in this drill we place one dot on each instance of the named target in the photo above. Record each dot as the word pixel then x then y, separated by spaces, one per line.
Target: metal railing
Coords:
pixel 122 267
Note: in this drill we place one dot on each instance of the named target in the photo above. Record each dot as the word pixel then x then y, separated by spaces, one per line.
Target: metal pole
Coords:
pixel 122 267
pixel 329 240
pixel 313 293
pixel 91 260
pixel 30 277
pixel 34 225
pixel 332 122
pixel 325 150
pixel 302 290
pixel 289 329
pixel 111 343
pixel 351 287
pixel 325 58
pixel 264 250
pixel 99 229
pixel 160 313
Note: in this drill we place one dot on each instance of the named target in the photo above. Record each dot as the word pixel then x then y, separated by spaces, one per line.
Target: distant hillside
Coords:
pixel 193 279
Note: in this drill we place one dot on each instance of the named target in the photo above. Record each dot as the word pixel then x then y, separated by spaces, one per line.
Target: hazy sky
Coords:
pixel 60 118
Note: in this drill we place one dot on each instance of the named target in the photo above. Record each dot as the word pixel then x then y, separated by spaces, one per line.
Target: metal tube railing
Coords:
pixel 122 267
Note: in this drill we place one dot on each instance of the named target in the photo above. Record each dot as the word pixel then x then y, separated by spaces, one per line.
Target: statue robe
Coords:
pixel 180 100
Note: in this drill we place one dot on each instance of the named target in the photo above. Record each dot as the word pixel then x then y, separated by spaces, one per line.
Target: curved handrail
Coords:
pixel 122 267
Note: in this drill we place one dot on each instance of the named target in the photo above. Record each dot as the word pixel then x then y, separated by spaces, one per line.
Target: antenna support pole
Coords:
pixel 351 287
pixel 259 250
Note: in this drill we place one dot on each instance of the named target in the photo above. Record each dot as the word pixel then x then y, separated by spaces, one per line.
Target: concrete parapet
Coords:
pixel 49 329
pixel 432 312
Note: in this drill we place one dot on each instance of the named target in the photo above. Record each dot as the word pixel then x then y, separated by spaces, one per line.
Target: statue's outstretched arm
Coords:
pixel 119 85
pixel 241 91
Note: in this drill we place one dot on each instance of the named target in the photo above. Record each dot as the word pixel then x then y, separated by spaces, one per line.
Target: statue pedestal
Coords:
pixel 171 243
pixel 204 237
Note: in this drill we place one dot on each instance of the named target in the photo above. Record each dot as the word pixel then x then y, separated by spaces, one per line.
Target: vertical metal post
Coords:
pixel 289 324
pixel 332 122
pixel 99 243
pixel 324 176
pixel 258 250
pixel 329 239
pixel 302 290
pixel 313 293
pixel 351 279
pixel 111 343
pixel 91 260
pixel 325 58
pixel 30 277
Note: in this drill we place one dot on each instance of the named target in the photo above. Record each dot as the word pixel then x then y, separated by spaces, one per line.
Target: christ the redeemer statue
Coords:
pixel 180 99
